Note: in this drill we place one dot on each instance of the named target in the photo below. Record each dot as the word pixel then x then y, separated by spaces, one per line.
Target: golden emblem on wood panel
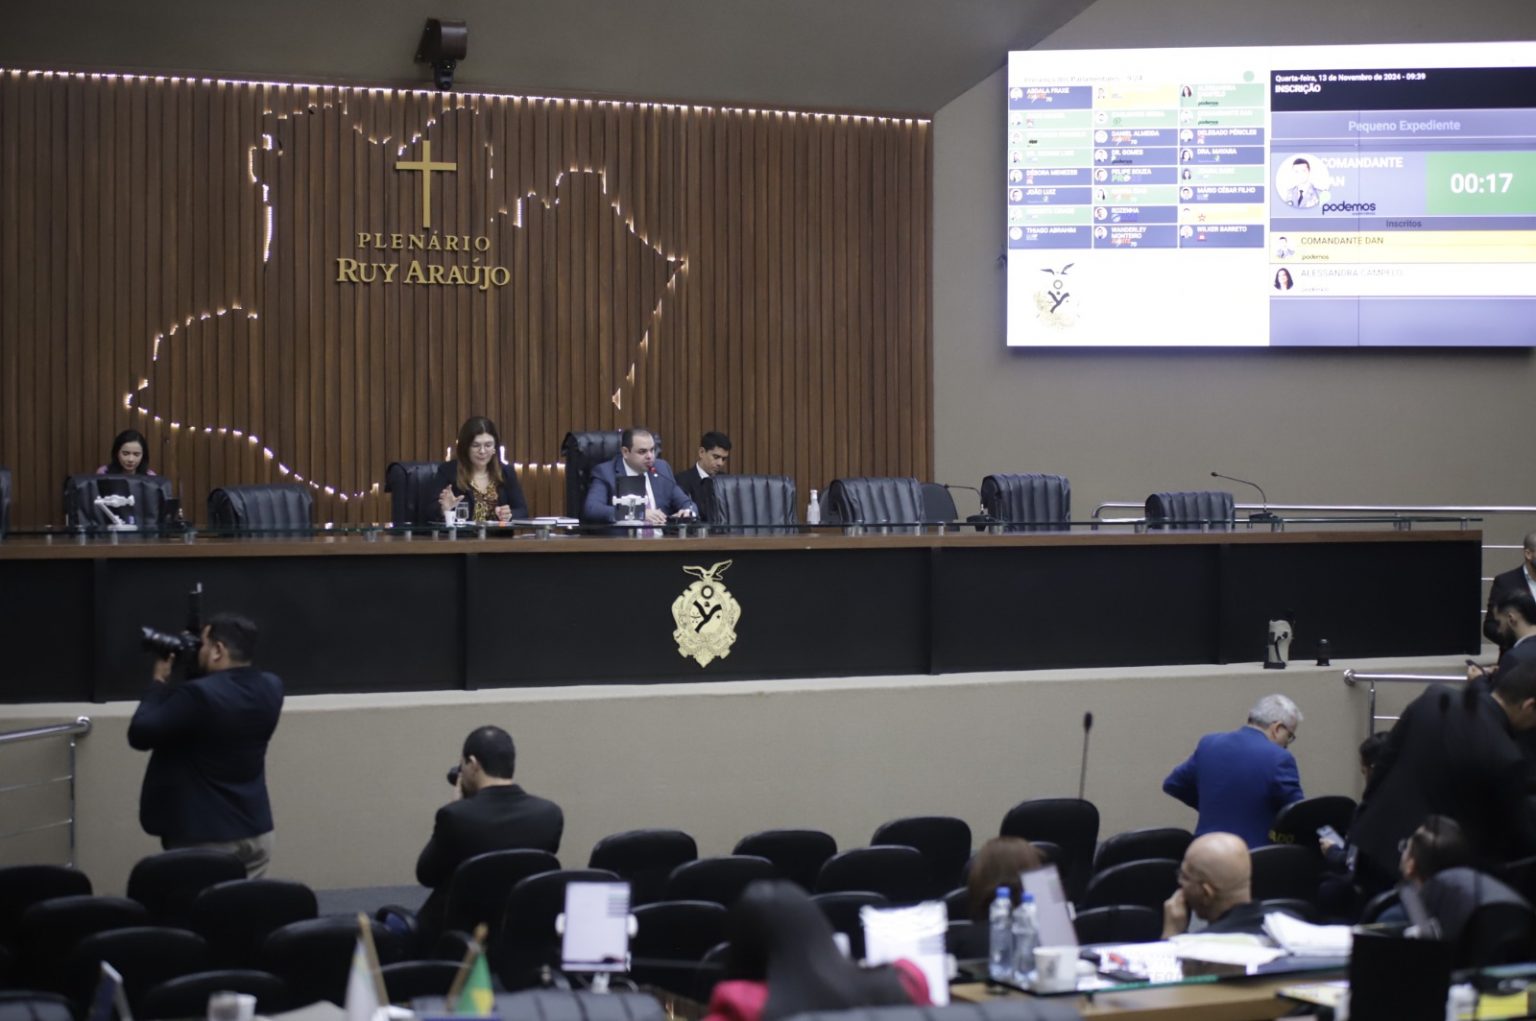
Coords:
pixel 706 615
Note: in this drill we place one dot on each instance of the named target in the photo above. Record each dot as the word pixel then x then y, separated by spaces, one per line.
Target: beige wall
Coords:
pixel 1311 426
pixel 355 779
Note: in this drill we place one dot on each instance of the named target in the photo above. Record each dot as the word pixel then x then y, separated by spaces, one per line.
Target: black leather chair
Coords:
pixel 1520 874
pixel 1029 502
pixel 1119 923
pixel 149 494
pixel 315 957
pixel 1139 845
pixel 21 886
pixel 717 880
pixel 938 504
pixel 32 1005
pixel 967 940
pixel 145 956
pixel 405 981
pixel 187 996
pixel 873 501
pixel 957 904
pixel 527 941
pixel 797 854
pixel 645 858
pixel 1298 822
pixel 842 911
pixel 410 486
pixel 1286 870
pixel 478 891
pixel 1211 510
pixel 1501 933
pixel 5 500
pixel 898 874
pixel 1144 883
pixel 167 883
pixel 50 929
pixel 942 840
pixel 237 917
pixel 1070 823
pixel 581 451
pixel 672 939
pixel 267 508
pixel 1379 905
pixel 753 500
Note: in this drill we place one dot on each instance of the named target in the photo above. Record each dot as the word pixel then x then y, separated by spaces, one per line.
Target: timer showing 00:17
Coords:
pixel 1479 184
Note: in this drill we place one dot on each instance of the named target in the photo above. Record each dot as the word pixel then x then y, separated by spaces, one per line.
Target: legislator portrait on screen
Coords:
pixel 1396 184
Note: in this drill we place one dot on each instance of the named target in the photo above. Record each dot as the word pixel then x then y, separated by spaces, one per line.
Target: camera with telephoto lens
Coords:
pixel 181 647
pixel 453 776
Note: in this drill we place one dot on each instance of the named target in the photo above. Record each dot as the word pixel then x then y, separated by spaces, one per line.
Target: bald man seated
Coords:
pixel 1214 883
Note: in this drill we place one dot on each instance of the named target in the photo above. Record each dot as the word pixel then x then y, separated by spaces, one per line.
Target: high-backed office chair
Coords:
pixel 50 929
pixel 1119 923
pixel 149 494
pixel 1286 870
pixel 645 858
pixel 1070 823
pixel 5 500
pixel 1029 502
pixel 897 873
pixel 1139 845
pixel 187 996
pixel 942 840
pixel 1212 509
pixel 1298 822
pixel 754 500
pixel 145 956
pixel 581 452
pixel 797 854
pixel 265 508
pixel 671 940
pixel 167 883
pixel 842 912
pixel 22 886
pixel 938 505
pixel 719 880
pixel 314 957
pixel 874 501
pixel 410 485
pixel 1145 883
pixel 528 941
pixel 237 917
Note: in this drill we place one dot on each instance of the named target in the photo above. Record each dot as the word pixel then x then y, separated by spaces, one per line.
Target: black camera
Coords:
pixel 181 647
pixel 453 776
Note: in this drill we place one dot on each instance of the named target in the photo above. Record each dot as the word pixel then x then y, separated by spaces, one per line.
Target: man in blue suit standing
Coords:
pixel 637 457
pixel 1237 781
pixel 206 783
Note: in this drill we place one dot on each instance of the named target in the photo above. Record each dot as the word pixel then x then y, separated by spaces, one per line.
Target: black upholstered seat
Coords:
pixel 187 996
pixel 527 940
pixel 842 911
pixel 942 840
pixel 50 929
pixel 149 494
pixel 1146 883
pixel 167 883
pixel 144 955
pixel 797 854
pixel 754 500
pixel 1213 510
pixel 874 501
pixel 412 492
pixel 671 940
pixel 478 890
pixel 21 886
pixel 1139 845
pixel 938 504
pixel 1298 822
pixel 265 508
pixel 1287 870
pixel 1028 502
pixel 1070 823
pixel 897 873
pixel 1119 923
pixel 314 957
pixel 718 880
pixel 236 917
pixel 645 858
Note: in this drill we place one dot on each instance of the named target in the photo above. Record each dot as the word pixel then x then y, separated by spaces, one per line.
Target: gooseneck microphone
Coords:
pixel 1082 773
pixel 1263 515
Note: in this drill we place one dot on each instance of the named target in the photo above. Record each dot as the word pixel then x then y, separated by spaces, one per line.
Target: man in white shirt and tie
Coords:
pixel 637 457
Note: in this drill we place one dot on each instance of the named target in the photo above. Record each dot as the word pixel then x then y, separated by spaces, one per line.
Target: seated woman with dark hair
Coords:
pixel 478 474
pixel 1000 862
pixel 783 961
pixel 130 455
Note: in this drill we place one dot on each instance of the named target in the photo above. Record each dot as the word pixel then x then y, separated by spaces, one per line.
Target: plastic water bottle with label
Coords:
pixel 813 510
pixel 1000 937
pixel 1026 936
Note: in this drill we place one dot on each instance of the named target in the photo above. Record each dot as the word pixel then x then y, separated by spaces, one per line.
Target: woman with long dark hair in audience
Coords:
pixel 783 961
pixel 130 455
pixel 478 474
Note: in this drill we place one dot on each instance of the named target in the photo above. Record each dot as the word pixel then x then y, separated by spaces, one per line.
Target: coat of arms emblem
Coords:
pixel 706 615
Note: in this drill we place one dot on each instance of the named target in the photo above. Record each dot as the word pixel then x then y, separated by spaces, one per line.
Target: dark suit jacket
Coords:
pixel 1237 781
pixel 501 818
pixel 700 490
pixel 598 506
pixel 207 776
pixel 509 493
pixel 1503 584
pixel 1452 753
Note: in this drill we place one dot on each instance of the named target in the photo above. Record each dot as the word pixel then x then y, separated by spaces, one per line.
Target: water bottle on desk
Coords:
pixel 813 511
pixel 1026 936
pixel 1000 937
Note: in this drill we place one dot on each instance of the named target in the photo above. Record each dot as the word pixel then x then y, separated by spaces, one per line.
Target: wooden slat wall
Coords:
pixel 761 272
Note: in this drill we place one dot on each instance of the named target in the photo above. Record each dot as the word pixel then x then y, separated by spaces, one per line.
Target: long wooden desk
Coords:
pixel 1236 1000
pixel 343 613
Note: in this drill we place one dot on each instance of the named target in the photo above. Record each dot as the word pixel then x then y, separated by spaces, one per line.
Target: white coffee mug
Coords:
pixel 1055 969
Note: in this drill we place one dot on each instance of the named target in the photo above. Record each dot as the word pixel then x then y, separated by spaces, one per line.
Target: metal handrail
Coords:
pixel 1345 508
pixel 1354 677
pixel 71 731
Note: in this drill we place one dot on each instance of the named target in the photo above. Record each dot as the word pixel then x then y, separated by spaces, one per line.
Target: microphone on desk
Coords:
pixel 982 520
pixel 1082 775
pixel 1262 515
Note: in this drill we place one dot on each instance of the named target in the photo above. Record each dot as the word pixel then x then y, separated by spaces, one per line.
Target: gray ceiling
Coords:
pixel 910 56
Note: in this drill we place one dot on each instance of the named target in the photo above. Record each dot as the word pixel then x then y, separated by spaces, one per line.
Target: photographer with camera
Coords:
pixel 206 783
pixel 489 813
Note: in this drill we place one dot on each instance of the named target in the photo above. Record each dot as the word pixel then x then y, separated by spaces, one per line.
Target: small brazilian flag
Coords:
pixel 476 997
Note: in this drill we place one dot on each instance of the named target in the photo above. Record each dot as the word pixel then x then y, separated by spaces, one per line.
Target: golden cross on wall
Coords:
pixel 425 166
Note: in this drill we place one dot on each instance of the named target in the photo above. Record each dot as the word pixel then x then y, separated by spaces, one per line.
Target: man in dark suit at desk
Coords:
pixel 206 783
pixel 1518 579
pixel 637 459
pixel 1452 753
pixel 491 813
pixel 1216 886
pixel 714 454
